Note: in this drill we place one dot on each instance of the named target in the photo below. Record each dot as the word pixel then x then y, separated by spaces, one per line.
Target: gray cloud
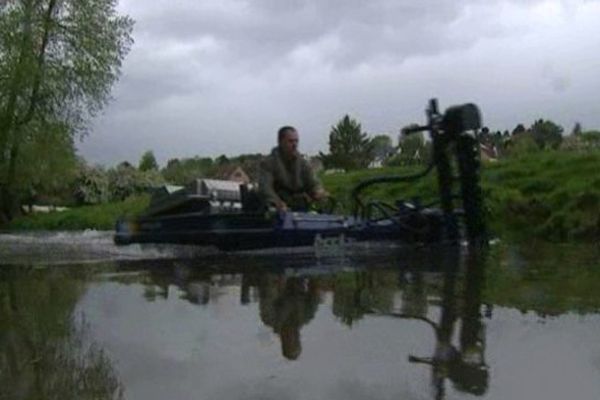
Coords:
pixel 259 32
pixel 220 76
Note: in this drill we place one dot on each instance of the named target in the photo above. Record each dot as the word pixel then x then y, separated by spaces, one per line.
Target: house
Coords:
pixel 488 152
pixel 376 163
pixel 233 173
pixel 315 163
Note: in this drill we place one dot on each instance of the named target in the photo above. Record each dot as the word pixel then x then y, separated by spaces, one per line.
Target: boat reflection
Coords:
pixel 443 289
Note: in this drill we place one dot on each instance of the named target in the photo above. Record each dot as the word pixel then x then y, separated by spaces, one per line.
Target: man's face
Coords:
pixel 289 144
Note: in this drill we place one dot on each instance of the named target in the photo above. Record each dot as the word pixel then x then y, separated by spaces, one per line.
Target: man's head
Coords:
pixel 287 138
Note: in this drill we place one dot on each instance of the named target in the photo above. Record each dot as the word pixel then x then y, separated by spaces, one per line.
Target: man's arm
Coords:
pixel 312 183
pixel 266 186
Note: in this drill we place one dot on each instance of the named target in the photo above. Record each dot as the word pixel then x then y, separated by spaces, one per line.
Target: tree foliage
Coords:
pixel 522 145
pixel 412 149
pixel 95 185
pixel 349 147
pixel 222 160
pixel 148 162
pixel 520 128
pixel 183 171
pixel 59 60
pixel 546 134
pixel 47 168
pixel 382 147
pixel 591 137
pixel 91 185
pixel 124 180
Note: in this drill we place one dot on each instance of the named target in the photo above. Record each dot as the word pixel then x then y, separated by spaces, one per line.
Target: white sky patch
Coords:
pixel 210 78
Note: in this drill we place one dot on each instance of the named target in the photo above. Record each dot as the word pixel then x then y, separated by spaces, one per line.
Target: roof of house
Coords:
pixel 225 171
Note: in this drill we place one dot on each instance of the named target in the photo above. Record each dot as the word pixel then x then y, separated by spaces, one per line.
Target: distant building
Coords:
pixel 333 171
pixel 233 173
pixel 376 163
pixel 488 153
pixel 315 163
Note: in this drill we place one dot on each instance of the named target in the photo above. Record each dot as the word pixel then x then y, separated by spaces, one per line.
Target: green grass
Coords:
pixel 549 195
pixel 101 217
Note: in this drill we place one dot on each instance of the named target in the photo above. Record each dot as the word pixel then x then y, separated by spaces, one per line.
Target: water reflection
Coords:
pixel 44 351
pixel 464 365
pixel 447 283
pixel 433 323
pixel 286 305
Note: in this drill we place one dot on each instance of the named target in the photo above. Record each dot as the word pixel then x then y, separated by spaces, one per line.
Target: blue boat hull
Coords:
pixel 240 231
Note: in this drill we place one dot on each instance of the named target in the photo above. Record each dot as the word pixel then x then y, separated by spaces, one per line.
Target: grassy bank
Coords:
pixel 548 195
pixel 101 217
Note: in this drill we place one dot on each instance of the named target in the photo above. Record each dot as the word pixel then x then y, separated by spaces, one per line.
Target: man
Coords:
pixel 286 179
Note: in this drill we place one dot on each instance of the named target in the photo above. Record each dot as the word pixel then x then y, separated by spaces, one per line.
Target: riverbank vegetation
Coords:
pixel 552 195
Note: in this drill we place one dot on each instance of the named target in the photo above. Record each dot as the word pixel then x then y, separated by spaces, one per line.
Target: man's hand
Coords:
pixel 281 206
pixel 320 194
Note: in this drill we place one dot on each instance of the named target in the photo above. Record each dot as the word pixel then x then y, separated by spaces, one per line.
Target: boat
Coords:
pixel 230 216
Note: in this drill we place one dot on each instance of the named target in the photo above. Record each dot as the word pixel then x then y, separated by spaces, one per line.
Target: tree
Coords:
pixel 520 128
pixel 183 171
pixel 349 147
pixel 591 139
pixel 59 60
pixel 522 145
pixel 47 168
pixel 222 160
pixel 91 185
pixel 148 162
pixel 412 149
pixel 125 180
pixel 382 147
pixel 546 134
pixel 576 129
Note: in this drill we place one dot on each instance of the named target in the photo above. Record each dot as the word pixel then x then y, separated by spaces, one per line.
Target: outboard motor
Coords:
pixel 456 160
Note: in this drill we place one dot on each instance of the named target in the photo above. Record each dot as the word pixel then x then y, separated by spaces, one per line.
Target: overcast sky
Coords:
pixel 211 77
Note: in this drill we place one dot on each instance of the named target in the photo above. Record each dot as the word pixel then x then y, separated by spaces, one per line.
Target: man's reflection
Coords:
pixel 287 304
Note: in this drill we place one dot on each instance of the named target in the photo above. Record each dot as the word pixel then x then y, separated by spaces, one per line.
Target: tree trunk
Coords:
pixel 7 119
pixel 11 124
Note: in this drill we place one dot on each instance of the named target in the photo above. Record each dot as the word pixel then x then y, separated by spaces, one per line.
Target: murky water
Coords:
pixel 80 318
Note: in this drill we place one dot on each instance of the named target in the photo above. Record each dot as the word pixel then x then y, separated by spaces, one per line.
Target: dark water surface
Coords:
pixel 81 319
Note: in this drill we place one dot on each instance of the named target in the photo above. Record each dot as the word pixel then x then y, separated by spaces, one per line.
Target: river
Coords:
pixel 81 318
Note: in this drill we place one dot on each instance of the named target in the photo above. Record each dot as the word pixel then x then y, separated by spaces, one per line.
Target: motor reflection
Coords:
pixel 460 321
